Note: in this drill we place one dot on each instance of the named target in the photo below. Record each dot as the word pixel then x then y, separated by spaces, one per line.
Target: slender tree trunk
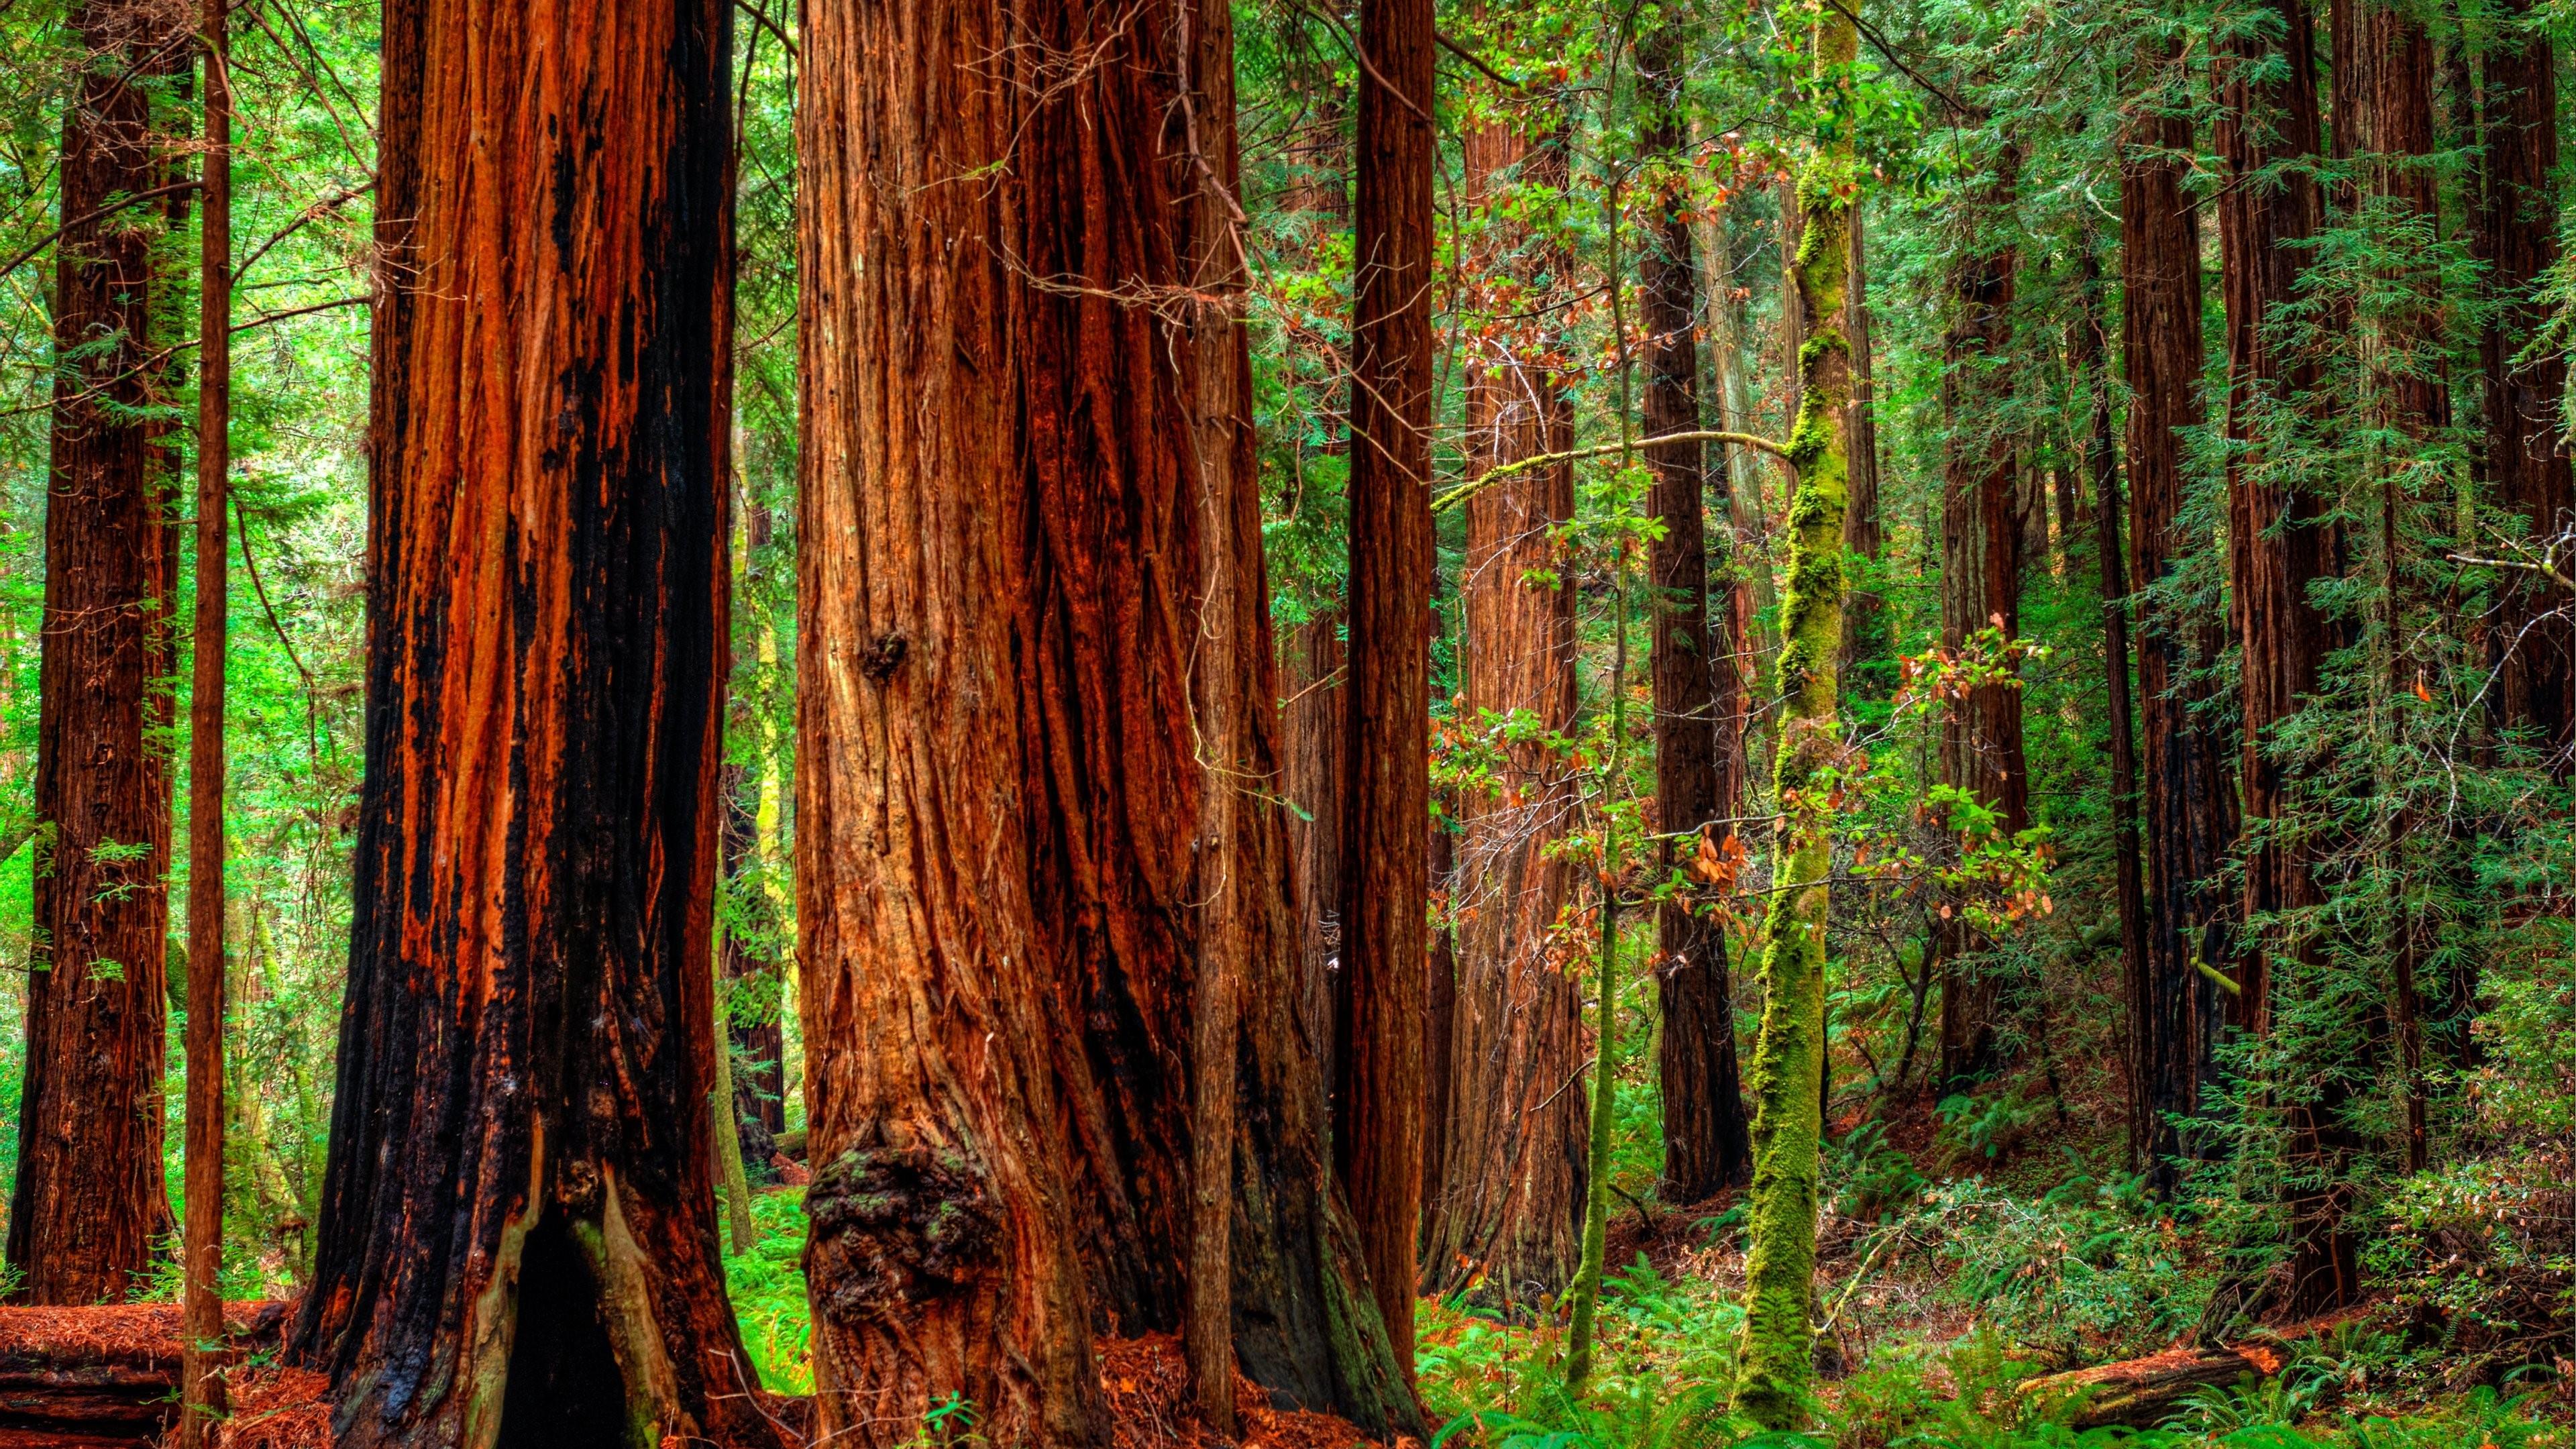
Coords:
pixel 1508 1210
pixel 89 1204
pixel 1707 1140
pixel 509 1255
pixel 1013 964
pixel 1983 541
pixel 2189 799
pixel 1377 1100
pixel 2281 541
pixel 1864 533
pixel 1789 1053
pixel 2534 640
pixel 1315 739
pixel 2090 353
pixel 201 1309
pixel 750 973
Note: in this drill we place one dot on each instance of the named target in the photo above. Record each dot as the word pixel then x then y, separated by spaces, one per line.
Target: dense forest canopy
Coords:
pixel 1624 723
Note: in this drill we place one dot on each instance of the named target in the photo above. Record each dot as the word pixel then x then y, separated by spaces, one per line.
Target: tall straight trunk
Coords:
pixel 2090 354
pixel 2535 642
pixel 2281 541
pixel 1707 1139
pixel 1042 900
pixel 1314 748
pixel 1864 532
pixel 1983 548
pixel 1507 1212
pixel 88 1205
pixel 756 982
pixel 2189 794
pixel 201 1308
pixel 508 1254
pixel 1377 1057
pixel 1789 1052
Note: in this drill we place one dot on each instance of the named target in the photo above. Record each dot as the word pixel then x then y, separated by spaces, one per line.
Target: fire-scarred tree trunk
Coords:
pixel 1040 891
pixel 1983 533
pixel 2535 642
pixel 1508 1209
pixel 1707 1140
pixel 509 1251
pixel 88 1204
pixel 2189 795
pixel 1377 1058
pixel 2281 541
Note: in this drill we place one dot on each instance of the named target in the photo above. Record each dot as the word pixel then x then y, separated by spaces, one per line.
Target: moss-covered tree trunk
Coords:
pixel 1772 1387
pixel 518 1239
pixel 1034 810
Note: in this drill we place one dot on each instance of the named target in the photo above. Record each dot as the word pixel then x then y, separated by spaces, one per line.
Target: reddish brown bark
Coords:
pixel 1707 1141
pixel 1507 1213
pixel 1378 1094
pixel 1982 553
pixel 2534 641
pixel 2189 794
pixel 1315 739
pixel 509 1252
pixel 2280 543
pixel 88 1204
pixel 1046 946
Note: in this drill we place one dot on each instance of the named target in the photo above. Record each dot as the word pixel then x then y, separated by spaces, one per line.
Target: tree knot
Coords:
pixel 883 657
pixel 897 1225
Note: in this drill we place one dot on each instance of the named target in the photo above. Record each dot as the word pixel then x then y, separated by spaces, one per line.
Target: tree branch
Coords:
pixel 1470 489
pixel 111 209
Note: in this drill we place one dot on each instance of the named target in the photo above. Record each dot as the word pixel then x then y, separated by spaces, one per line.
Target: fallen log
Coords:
pixel 2140 1392
pixel 105 1374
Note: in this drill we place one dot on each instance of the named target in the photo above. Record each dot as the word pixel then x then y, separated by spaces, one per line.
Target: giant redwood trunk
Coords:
pixel 1378 1036
pixel 1046 945
pixel 1982 554
pixel 518 1235
pixel 2281 542
pixel 2535 643
pixel 1707 1139
pixel 1507 1211
pixel 1314 741
pixel 2188 797
pixel 88 1204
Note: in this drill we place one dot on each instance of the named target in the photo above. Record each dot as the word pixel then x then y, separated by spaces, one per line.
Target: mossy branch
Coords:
pixel 1471 488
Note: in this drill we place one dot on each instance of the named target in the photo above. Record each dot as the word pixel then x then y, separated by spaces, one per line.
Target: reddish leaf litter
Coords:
pixel 1147 1383
pixel 275 1408
pixel 73 1378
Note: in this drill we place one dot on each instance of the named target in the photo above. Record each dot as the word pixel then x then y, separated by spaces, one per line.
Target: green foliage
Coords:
pixel 767 1286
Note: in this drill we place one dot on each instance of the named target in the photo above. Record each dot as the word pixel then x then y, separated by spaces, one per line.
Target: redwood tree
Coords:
pixel 1046 947
pixel 1707 1139
pixel 2188 800
pixel 1982 553
pixel 2534 640
pixel 1507 1210
pixel 518 1235
pixel 88 1202
pixel 1378 1037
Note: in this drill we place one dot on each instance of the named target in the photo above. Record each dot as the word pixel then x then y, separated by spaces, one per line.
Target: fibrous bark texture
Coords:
pixel 1506 1215
pixel 518 1239
pixel 1037 734
pixel 1314 742
pixel 88 1203
pixel 1707 1139
pixel 2188 794
pixel 1377 1057
pixel 1984 537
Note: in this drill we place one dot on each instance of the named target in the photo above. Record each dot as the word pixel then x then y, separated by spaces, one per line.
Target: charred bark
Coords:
pixel 88 1204
pixel 1707 1137
pixel 510 1252
pixel 1034 639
